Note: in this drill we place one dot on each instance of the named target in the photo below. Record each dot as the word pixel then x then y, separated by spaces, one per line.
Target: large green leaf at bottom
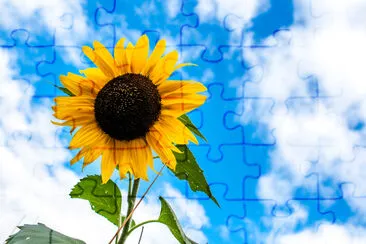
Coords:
pixel 188 169
pixel 168 218
pixel 105 199
pixel 40 234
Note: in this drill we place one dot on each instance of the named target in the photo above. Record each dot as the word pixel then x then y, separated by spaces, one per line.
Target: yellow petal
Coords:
pixel 91 155
pixel 78 156
pixel 96 75
pixel 183 65
pixel 175 130
pixel 123 170
pixel 75 110
pixel 109 162
pixel 166 155
pixel 118 50
pixel 79 86
pixel 72 113
pixel 88 136
pixel 124 158
pixel 178 109
pixel 139 156
pixel 183 99
pixel 139 55
pixel 154 57
pixel 164 67
pixel 120 56
pixel 177 86
pixel 128 56
pixel 75 101
pixel 73 122
pixel 149 157
pixel 98 61
pixel 104 54
pixel 163 139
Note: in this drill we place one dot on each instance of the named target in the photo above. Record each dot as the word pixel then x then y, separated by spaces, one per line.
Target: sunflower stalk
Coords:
pixel 131 203
pixel 138 203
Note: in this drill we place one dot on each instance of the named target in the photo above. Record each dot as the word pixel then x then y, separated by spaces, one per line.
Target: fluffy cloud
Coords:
pixel 334 234
pixel 173 7
pixel 325 57
pixel 38 15
pixel 66 20
pixel 245 10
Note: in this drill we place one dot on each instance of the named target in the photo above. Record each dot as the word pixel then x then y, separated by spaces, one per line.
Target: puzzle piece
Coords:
pixel 50 70
pixel 239 158
pixel 222 185
pixel 274 222
pixel 250 116
pixel 74 31
pixel 218 105
pixel 131 24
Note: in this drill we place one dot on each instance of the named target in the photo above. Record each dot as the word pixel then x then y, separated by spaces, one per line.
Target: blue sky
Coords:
pixel 284 117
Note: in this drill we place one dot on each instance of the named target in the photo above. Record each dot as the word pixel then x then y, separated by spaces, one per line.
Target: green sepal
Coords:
pixel 188 169
pixel 105 199
pixel 188 123
pixel 132 223
pixel 63 89
pixel 40 233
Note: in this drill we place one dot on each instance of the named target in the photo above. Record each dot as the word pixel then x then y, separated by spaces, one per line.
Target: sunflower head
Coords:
pixel 126 107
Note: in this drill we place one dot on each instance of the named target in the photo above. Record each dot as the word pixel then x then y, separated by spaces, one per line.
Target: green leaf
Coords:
pixel 168 218
pixel 187 122
pixel 105 199
pixel 188 169
pixel 37 234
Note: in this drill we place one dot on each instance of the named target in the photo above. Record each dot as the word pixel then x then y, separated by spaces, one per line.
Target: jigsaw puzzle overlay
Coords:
pixel 284 118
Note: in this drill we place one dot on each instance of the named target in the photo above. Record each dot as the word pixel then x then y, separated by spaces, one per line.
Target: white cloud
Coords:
pixel 44 18
pixel 331 48
pixel 244 10
pixel 231 15
pixel 145 11
pixel 282 226
pixel 224 232
pixel 34 183
pixel 327 233
pixel 269 227
pixel 208 76
pixel 49 14
pixel 173 7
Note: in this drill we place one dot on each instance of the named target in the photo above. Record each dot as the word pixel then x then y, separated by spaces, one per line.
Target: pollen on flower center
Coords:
pixel 127 106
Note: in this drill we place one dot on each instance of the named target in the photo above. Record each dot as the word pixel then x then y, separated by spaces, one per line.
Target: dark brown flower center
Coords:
pixel 127 106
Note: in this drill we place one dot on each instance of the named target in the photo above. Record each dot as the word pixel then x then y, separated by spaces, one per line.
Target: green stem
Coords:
pixel 131 204
pixel 129 183
pixel 129 193
pixel 142 223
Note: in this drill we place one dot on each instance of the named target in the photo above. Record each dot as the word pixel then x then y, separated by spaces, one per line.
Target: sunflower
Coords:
pixel 126 107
